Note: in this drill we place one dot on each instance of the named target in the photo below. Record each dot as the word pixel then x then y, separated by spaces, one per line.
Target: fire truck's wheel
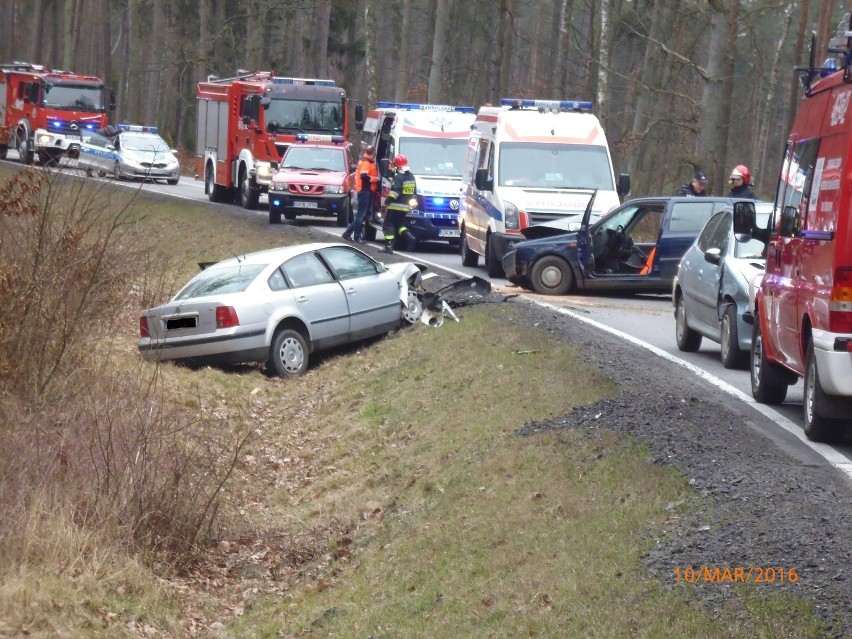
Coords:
pixel 3 150
pixel 469 258
pixel 492 263
pixel 24 151
pixel 249 194
pixel 343 216
pixel 215 192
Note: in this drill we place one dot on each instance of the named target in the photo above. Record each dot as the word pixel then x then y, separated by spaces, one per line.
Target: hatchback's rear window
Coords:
pixel 218 281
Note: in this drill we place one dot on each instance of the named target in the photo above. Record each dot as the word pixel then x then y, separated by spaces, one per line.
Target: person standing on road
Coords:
pixel 367 181
pixel 402 190
pixel 741 183
pixel 696 188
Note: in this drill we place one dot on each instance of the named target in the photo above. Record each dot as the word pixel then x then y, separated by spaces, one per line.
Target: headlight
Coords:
pixel 278 186
pixel 511 216
pixel 263 170
pixel 44 138
pixel 412 203
pixel 334 189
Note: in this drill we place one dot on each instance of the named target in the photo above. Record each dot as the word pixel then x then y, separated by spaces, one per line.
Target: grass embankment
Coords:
pixel 383 494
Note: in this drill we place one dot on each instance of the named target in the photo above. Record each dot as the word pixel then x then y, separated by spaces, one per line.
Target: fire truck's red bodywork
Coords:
pixel 44 112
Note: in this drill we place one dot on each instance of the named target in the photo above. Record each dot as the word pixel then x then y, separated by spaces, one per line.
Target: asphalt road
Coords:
pixel 648 320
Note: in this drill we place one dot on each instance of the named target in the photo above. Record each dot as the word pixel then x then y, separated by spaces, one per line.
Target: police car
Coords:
pixel 132 152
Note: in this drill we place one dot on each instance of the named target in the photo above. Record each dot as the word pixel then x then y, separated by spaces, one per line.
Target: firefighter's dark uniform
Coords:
pixel 402 190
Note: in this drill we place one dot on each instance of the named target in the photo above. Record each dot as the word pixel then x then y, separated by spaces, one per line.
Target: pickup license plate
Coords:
pixel 448 233
pixel 305 205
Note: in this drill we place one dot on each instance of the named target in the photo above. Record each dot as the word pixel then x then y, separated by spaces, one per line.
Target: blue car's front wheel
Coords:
pixel 551 275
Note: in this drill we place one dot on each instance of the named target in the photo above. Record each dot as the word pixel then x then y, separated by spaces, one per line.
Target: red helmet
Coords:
pixel 741 170
pixel 400 161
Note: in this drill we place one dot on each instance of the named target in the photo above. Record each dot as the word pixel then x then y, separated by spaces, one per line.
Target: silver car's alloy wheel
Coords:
pixel 412 312
pixel 291 355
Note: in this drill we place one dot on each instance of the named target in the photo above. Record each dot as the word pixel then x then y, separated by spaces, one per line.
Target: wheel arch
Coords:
pixel 805 335
pixel 292 323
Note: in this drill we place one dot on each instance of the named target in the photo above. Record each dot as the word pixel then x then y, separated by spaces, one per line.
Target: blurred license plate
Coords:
pixel 305 205
pixel 181 322
pixel 448 233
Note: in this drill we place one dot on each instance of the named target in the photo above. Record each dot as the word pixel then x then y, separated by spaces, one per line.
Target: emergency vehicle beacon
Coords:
pixel 531 161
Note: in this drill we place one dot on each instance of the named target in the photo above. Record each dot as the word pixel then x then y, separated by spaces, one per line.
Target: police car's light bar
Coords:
pixel 137 128
pixel 312 81
pixel 562 105
pixel 413 106
pixel 316 137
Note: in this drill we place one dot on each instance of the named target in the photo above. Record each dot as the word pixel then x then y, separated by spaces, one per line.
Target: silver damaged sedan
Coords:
pixel 279 306
pixel 711 290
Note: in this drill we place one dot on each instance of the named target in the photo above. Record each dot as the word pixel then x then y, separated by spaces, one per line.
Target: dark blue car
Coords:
pixel 635 247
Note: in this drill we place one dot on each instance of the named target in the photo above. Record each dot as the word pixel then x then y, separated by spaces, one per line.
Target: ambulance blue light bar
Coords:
pixel 413 106
pixel 137 128
pixel 307 81
pixel 562 105
pixel 315 137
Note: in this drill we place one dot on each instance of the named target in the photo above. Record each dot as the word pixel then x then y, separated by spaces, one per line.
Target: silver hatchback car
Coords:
pixel 279 306
pixel 711 291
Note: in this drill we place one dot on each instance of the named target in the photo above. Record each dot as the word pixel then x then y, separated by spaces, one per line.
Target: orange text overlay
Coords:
pixel 736 574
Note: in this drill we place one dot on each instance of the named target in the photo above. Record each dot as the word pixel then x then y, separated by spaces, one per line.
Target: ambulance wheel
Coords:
pixel 492 262
pixel 343 216
pixel 817 427
pixel 249 193
pixel 767 378
pixel 369 232
pixel 469 258
pixel 551 275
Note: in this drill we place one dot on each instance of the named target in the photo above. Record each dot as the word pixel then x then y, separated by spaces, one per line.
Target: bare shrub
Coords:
pixel 79 419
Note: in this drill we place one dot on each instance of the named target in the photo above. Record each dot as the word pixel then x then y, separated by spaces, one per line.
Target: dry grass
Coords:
pixel 383 494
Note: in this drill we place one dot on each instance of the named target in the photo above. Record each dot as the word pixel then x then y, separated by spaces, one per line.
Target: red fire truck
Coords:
pixel 245 124
pixel 43 112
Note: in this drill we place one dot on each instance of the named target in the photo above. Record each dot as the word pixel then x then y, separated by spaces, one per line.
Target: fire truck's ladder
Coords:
pixel 24 66
pixel 242 74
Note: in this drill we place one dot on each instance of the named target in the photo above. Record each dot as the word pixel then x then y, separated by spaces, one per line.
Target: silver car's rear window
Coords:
pixel 218 281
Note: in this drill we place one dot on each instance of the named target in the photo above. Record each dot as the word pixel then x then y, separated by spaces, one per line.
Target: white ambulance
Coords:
pixel 529 162
pixel 434 139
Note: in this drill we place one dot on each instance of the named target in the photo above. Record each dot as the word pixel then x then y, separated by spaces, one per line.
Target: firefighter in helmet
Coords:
pixel 401 192
pixel 741 183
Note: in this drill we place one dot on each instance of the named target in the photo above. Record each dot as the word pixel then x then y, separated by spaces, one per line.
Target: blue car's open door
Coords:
pixel 584 239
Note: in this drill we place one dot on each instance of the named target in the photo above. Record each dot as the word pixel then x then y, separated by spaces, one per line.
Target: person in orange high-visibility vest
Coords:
pixel 366 181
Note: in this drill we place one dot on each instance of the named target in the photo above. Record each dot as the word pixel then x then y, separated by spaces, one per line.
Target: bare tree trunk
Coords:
pixel 434 93
pixel 507 24
pixel 602 93
pixel 105 63
pixel 154 62
pixel 68 35
pixel 370 52
pixel 202 66
pixel 710 136
pixel 726 102
pixel 562 17
pixel 322 16
pixel 769 100
pixel 36 51
pixel 402 75
pixel 7 31
pixel 535 45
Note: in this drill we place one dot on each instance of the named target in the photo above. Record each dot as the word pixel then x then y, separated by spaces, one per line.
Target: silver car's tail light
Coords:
pixel 226 317
pixel 143 327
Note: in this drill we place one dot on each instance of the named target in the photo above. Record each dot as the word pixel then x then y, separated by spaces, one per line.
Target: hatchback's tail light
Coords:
pixel 143 327
pixel 226 317
pixel 840 307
